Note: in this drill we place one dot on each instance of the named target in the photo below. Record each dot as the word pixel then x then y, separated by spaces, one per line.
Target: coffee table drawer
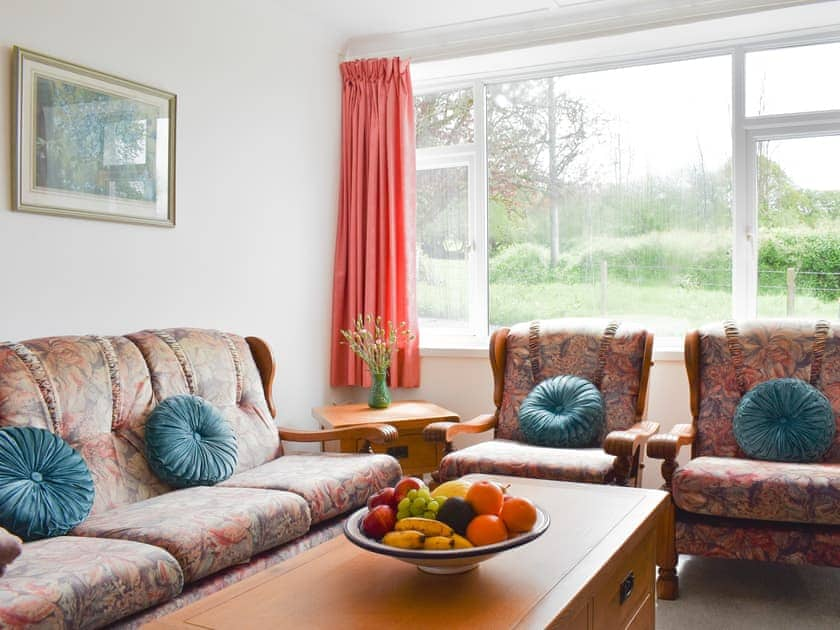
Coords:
pixel 621 602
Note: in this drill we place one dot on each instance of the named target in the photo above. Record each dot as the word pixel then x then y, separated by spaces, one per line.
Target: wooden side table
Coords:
pixel 409 417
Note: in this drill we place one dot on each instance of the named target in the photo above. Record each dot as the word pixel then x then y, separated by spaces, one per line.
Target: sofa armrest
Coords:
pixel 627 447
pixel 10 548
pixel 668 445
pixel 626 443
pixel 445 431
pixel 371 433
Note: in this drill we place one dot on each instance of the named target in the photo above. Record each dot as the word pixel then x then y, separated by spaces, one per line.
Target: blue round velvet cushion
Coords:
pixel 45 486
pixel 785 420
pixel 189 443
pixel 564 411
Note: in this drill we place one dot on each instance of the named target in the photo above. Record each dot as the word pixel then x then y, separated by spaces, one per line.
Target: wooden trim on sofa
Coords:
pixel 498 349
pixel 644 378
pixel 264 359
pixel 692 368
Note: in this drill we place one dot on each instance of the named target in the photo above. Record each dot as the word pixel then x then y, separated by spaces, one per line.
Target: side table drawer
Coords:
pixel 415 454
pixel 626 600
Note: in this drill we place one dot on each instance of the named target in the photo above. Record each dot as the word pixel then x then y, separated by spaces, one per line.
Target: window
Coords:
pixel 669 192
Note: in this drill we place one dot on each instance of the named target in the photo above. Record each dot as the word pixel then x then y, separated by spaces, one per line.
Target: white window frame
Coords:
pixel 746 132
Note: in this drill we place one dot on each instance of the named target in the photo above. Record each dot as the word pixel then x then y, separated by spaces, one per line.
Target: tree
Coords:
pixel 535 134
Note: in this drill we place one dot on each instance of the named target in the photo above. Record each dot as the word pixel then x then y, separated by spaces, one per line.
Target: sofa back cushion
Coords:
pixel 769 349
pixel 574 346
pixel 96 392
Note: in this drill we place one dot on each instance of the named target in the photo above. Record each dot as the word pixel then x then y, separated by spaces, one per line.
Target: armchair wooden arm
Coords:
pixel 10 547
pixel 627 446
pixel 445 431
pixel 667 446
pixel 370 433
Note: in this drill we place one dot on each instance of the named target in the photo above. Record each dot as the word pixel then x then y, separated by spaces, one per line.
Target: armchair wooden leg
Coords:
pixel 621 469
pixel 667 584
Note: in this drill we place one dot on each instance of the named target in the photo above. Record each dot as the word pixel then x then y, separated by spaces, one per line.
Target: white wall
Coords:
pixel 257 170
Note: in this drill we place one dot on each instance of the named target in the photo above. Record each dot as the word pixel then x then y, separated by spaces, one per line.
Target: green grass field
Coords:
pixel 668 310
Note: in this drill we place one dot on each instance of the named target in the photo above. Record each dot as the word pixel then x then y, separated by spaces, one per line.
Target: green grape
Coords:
pixel 403 514
pixel 429 514
pixel 425 494
pixel 412 494
pixel 417 511
pixel 441 500
pixel 433 506
pixel 418 506
pixel 403 505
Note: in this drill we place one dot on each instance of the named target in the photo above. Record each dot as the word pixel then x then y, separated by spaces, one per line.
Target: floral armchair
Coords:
pixel 615 357
pixel 726 505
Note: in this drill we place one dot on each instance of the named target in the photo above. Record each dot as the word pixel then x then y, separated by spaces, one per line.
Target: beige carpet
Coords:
pixel 739 595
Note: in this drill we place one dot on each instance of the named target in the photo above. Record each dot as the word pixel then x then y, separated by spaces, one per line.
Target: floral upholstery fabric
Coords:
pixel 96 393
pixel 506 457
pixel 571 346
pixel 331 483
pixel 202 588
pixel 758 540
pixel 769 491
pixel 218 367
pixel 206 528
pixel 71 582
pixel 771 349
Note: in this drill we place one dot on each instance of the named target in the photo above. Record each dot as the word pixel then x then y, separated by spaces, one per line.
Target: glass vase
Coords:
pixel 379 397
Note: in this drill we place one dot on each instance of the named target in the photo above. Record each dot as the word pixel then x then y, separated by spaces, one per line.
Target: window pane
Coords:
pixel 609 194
pixel 444 118
pixel 799 227
pixel 788 80
pixel 443 247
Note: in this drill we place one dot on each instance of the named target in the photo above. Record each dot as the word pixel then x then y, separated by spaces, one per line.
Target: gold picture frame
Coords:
pixel 91 145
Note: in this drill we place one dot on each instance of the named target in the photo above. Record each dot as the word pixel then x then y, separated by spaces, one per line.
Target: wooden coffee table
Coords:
pixel 409 417
pixel 593 568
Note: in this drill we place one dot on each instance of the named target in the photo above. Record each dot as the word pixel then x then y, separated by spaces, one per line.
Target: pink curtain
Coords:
pixel 375 243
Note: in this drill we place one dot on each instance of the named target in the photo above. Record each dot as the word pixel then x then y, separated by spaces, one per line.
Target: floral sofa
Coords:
pixel 146 549
pixel 730 506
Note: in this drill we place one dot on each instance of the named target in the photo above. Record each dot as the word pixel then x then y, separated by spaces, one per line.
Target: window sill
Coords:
pixel 665 349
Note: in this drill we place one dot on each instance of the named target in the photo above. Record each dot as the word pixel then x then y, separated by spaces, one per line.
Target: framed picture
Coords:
pixel 91 145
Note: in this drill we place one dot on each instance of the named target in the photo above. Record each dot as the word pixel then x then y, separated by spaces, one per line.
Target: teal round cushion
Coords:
pixel 45 485
pixel 784 420
pixel 189 443
pixel 564 411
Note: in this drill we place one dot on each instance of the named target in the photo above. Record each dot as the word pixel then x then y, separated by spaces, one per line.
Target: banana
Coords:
pixel 426 525
pixel 439 542
pixel 461 542
pixel 404 539
pixel 454 488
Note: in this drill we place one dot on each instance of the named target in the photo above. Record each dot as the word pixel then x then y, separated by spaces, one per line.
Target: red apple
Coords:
pixel 404 485
pixel 385 496
pixel 379 521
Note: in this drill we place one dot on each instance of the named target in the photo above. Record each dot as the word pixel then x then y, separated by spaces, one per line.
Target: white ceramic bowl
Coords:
pixel 442 561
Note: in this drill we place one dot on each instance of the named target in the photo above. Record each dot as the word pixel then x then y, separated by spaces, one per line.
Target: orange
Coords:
pixel 486 529
pixel 485 497
pixel 519 514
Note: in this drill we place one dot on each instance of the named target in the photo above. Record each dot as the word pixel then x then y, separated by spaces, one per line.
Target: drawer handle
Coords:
pixel 626 588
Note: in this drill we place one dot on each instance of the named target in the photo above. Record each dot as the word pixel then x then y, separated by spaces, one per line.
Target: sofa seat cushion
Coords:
pixel 331 483
pixel 206 529
pixel 752 489
pixel 73 582
pixel 506 457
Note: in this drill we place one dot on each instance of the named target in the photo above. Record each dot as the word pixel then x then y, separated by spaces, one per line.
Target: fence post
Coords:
pixel 603 288
pixel 791 290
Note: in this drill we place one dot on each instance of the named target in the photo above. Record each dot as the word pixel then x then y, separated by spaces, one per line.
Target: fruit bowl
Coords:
pixel 441 562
